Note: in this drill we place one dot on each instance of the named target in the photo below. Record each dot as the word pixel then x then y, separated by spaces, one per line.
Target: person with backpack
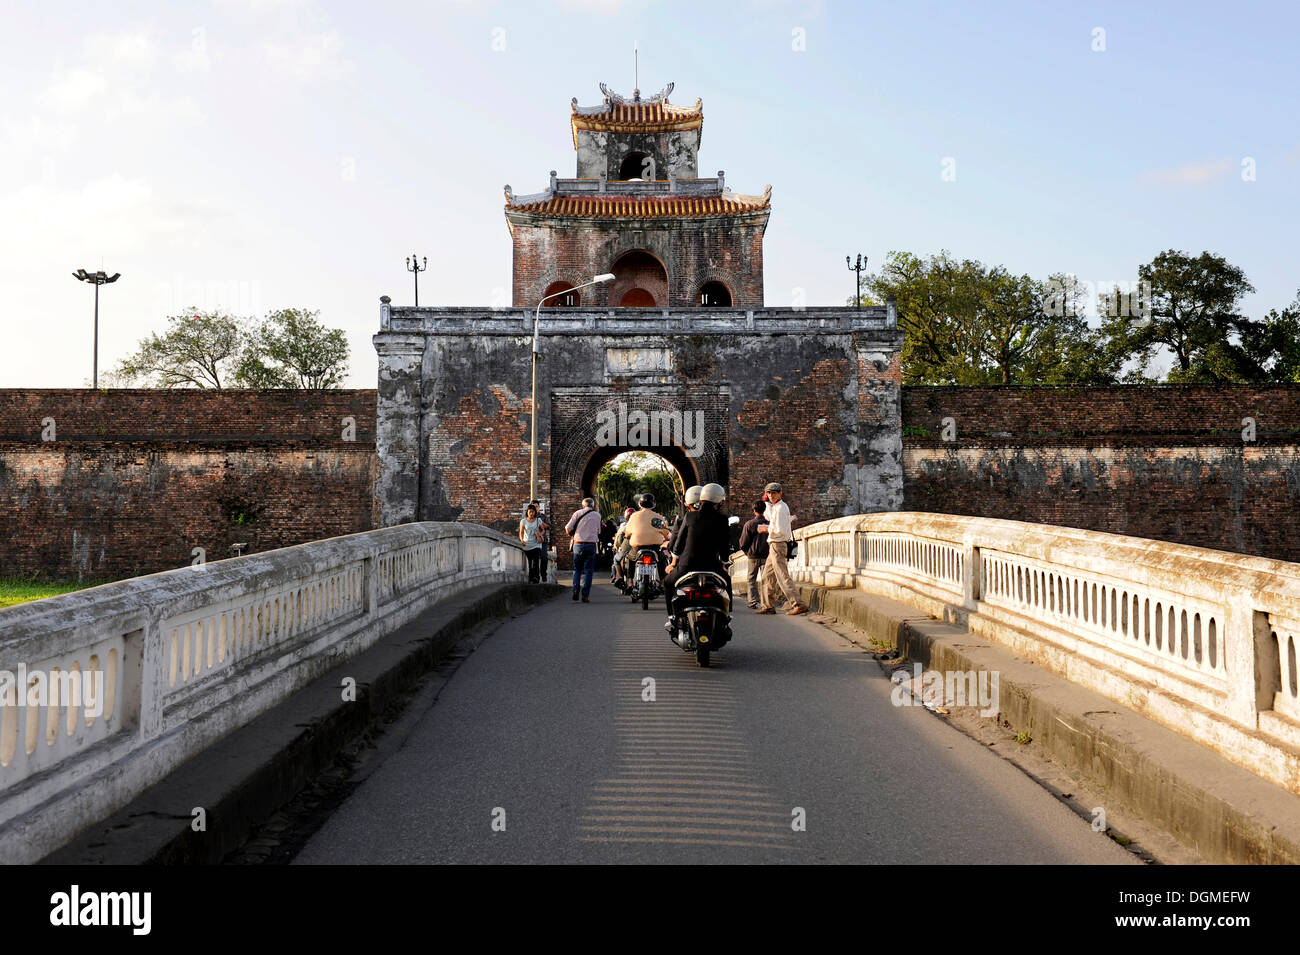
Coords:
pixel 754 546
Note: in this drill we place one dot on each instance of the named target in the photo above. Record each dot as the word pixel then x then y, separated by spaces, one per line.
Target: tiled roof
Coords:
pixel 649 207
pixel 617 115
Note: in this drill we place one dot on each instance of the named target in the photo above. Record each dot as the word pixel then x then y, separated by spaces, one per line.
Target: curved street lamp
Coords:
pixel 532 470
pixel 96 279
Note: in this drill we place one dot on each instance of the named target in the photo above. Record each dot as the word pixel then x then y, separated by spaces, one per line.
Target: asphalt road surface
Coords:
pixel 541 748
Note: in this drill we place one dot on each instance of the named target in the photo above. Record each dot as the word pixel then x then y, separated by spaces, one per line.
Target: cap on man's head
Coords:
pixel 773 488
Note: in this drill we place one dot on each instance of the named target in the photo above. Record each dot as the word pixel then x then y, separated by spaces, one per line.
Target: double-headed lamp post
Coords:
pixel 532 471
pixel 96 279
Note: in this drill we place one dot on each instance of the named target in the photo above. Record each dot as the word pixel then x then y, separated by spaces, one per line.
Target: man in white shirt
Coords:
pixel 779 534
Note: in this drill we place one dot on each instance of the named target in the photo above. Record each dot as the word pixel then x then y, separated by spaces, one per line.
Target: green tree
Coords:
pixel 632 473
pixel 292 349
pixel 198 350
pixel 966 323
pixel 1274 343
pixel 1191 307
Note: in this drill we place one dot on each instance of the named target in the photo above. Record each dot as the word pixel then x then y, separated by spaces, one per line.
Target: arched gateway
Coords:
pixel 724 388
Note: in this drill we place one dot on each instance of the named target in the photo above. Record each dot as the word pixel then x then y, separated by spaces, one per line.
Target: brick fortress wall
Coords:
pixel 1165 462
pixel 135 479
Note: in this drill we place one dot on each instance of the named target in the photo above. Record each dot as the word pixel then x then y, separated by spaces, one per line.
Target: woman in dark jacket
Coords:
pixel 703 544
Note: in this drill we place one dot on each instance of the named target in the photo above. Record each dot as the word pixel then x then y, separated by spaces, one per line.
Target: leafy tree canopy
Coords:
pixel 292 349
pixel 966 323
pixel 288 349
pixel 632 473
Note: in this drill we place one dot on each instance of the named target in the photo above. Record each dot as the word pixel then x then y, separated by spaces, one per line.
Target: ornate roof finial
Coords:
pixel 615 99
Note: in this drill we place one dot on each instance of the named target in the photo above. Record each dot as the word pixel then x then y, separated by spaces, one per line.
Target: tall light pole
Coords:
pixel 96 279
pixel 532 470
pixel 413 265
pixel 861 264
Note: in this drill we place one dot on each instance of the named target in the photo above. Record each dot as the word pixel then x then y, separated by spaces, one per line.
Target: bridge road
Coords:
pixel 546 721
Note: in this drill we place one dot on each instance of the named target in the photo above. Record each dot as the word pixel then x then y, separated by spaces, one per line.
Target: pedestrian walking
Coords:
pixel 584 529
pixel 531 531
pixel 755 548
pixel 776 576
pixel 545 538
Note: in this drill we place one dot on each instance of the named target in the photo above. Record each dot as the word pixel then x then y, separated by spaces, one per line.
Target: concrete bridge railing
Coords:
pixel 1200 640
pixel 105 691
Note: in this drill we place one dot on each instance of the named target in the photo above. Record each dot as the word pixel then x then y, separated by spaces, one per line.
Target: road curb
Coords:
pixel 1220 810
pixel 247 776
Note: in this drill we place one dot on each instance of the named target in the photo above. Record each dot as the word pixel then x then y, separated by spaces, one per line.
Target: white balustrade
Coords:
pixel 103 691
pixel 1193 637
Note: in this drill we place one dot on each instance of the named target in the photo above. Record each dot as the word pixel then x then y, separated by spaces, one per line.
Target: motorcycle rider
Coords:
pixel 646 528
pixel 621 549
pixel 703 544
pixel 692 501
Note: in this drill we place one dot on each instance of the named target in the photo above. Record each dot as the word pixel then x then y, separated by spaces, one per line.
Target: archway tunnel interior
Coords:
pixel 615 477
pixel 671 459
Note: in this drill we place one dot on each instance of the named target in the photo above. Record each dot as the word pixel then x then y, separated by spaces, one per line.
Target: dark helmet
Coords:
pixel 646 501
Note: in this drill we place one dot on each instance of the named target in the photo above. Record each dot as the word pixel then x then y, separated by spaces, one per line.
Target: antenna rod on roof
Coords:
pixel 636 72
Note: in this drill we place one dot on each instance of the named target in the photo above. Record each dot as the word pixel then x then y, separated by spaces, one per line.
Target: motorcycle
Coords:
pixel 646 584
pixel 701 614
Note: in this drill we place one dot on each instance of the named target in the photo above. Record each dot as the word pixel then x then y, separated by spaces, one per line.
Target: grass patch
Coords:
pixel 21 591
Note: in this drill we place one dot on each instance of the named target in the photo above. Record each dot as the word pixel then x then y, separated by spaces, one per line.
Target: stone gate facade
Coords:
pixel 809 398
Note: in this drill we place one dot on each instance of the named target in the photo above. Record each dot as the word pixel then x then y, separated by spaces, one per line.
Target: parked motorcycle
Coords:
pixel 646 584
pixel 701 614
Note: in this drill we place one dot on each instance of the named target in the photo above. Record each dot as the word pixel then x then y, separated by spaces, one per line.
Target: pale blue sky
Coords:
pixel 254 154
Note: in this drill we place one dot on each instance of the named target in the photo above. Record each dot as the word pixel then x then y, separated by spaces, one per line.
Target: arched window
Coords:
pixel 715 295
pixel 637 166
pixel 640 281
pixel 572 300
pixel 637 298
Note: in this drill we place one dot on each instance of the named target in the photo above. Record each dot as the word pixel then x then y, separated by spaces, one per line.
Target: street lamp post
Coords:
pixel 861 264
pixel 413 265
pixel 532 470
pixel 96 279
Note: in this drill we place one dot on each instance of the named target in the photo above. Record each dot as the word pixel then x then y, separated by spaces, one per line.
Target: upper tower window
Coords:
pixel 637 166
pixel 640 280
pixel 570 300
pixel 715 295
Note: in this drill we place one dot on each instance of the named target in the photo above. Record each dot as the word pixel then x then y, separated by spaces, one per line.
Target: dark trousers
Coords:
pixel 584 564
pixel 755 565
pixel 534 564
pixel 544 560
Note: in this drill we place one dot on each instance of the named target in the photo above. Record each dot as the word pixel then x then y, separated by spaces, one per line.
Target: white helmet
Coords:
pixel 712 492
pixel 693 495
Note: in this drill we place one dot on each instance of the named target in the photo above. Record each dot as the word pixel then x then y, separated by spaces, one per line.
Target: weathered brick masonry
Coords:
pixel 809 398
pixel 1168 462
pixel 135 479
